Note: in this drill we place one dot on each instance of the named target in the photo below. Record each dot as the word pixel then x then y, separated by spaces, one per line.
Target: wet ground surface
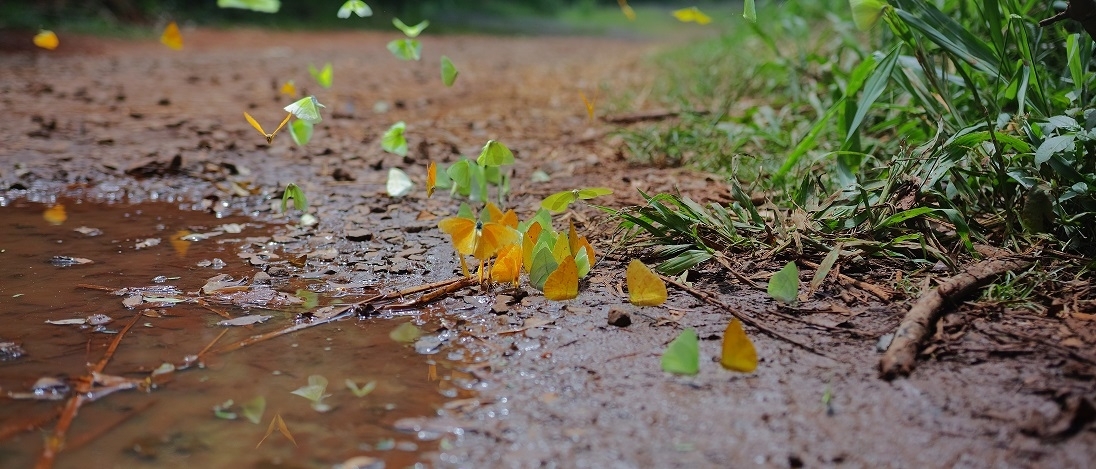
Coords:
pixel 555 385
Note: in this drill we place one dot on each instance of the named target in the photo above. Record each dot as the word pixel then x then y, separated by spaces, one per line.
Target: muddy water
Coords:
pixel 174 424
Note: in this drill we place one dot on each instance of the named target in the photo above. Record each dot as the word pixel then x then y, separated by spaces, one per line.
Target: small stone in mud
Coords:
pixel 501 306
pixel 620 318
pixel 261 278
pixel 11 351
pixel 342 175
pixel 359 235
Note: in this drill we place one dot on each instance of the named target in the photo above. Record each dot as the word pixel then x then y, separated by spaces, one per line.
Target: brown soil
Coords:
pixel 1000 388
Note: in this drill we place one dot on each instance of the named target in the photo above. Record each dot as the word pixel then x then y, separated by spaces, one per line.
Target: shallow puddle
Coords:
pixel 54 265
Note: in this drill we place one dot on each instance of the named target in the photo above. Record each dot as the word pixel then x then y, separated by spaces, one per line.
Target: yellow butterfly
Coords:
pixel 589 105
pixel 289 89
pixel 431 178
pixel 563 283
pixel 645 288
pixel 269 136
pixel 172 37
pixel 55 215
pixel 627 10
pixel 46 39
pixel 507 267
pixel 739 353
pixel 692 14
pixel 481 240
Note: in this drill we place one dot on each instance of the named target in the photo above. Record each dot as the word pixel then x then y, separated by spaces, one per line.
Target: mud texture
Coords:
pixel 103 120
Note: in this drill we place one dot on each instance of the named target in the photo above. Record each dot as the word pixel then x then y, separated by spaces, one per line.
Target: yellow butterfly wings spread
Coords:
pixel 269 136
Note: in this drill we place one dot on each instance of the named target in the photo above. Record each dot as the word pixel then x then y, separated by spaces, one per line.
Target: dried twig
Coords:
pixel 915 327
pixel 56 441
pixel 876 290
pixel 648 116
pixel 711 298
pixel 722 259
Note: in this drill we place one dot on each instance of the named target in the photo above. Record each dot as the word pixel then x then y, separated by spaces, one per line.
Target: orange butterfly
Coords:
pixel 172 37
pixel 269 136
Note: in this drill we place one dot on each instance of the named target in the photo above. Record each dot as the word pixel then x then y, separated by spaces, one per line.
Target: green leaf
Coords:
pixel 495 154
pixel 357 7
pixel 323 76
pixel 410 31
pixel 393 140
pixel 749 11
pixel 406 49
pixel 262 6
pixel 904 215
pixel 362 391
pixel 306 109
pixel 253 410
pixel 873 88
pixel 784 285
pixel 448 71
pixel 825 267
pixel 292 191
pixel 405 333
pixel 301 131
pixel 682 356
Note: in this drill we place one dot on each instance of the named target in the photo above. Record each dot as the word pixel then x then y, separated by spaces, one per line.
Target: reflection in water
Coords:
pixel 175 424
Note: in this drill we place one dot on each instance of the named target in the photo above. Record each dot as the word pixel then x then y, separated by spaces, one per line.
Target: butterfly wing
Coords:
pixel 563 283
pixel 739 353
pixel 172 37
pixel 254 123
pixel 559 201
pixel 46 39
pixel 463 232
pixel 431 178
pixel 270 137
pixel 645 288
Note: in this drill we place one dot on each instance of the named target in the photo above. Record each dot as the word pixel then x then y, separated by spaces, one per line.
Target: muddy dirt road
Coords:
pixel 557 386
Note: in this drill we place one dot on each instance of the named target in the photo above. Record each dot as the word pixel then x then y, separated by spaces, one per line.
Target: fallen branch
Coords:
pixel 56 441
pixel 710 298
pixel 915 327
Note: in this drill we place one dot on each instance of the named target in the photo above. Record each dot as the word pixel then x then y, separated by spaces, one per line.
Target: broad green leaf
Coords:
pixel 357 7
pixel 405 333
pixel 322 76
pixel 262 6
pixel 398 184
pixel 393 140
pixel 873 88
pixel 362 391
pixel 253 409
pixel 1052 145
pixel 301 131
pixel 306 109
pixel 495 154
pixel 749 11
pixel 406 49
pixel 448 71
pixel 682 356
pixel 292 191
pixel 784 285
pixel 410 31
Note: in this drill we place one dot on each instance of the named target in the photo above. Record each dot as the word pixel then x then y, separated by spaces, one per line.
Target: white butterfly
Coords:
pixel 399 184
pixel 306 109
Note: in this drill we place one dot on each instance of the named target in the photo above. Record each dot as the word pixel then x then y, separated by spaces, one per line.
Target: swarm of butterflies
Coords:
pixel 504 247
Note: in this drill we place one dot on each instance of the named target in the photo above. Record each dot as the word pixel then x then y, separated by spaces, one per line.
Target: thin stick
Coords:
pixel 901 355
pixel 868 287
pixel 719 257
pixel 56 442
pixel 210 345
pixel 710 298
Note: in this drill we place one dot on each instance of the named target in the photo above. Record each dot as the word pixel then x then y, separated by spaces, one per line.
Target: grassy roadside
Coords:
pixel 915 139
